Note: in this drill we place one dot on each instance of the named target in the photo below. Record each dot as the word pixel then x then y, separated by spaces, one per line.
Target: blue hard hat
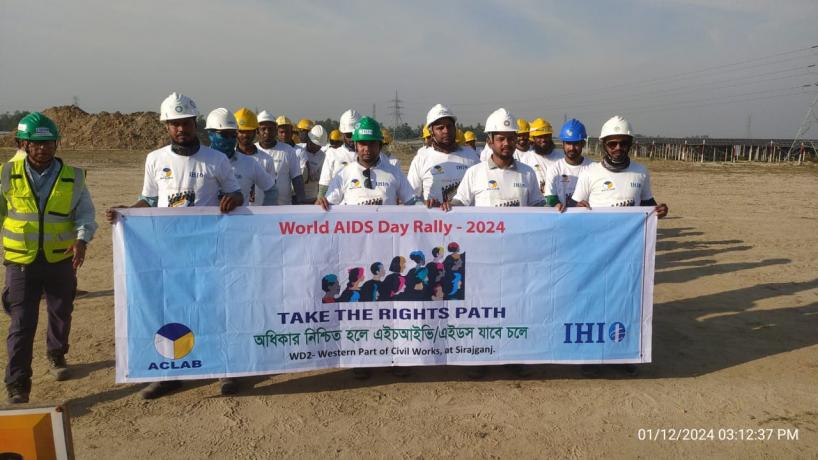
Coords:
pixel 573 131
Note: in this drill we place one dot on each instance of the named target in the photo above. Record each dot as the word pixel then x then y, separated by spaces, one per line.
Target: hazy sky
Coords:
pixel 673 67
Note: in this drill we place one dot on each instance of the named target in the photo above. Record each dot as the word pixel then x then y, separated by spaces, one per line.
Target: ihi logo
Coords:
pixel 174 341
pixel 593 332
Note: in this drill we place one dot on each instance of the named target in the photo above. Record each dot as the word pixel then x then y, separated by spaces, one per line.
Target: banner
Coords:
pixel 279 289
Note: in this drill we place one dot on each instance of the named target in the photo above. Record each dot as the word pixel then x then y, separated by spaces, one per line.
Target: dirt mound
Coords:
pixel 104 130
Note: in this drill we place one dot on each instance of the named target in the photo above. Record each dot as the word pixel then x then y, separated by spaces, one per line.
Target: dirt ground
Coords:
pixel 735 347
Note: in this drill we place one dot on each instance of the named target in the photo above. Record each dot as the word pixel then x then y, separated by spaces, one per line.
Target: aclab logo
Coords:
pixel 174 341
pixel 593 332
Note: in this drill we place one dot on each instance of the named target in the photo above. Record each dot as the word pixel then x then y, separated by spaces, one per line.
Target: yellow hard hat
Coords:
pixel 426 132
pixel 540 127
pixel 469 136
pixel 335 135
pixel 458 137
pixel 522 126
pixel 305 124
pixel 387 136
pixel 246 119
pixel 282 120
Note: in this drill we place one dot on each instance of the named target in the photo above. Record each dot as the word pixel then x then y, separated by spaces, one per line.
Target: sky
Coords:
pixel 672 67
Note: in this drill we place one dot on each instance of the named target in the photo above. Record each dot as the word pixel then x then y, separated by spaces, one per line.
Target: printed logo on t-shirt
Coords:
pixel 354 183
pixel 166 174
pixel 565 179
pixel 182 199
pixel 608 186
pixel 437 170
pixel 636 185
pixel 371 202
pixel 519 185
pixel 507 204
pixel 493 185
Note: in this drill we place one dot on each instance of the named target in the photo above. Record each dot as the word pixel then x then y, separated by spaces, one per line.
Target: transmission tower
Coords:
pixel 810 120
pixel 395 107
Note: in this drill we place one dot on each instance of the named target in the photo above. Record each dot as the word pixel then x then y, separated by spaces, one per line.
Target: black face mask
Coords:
pixel 187 149
pixel 609 164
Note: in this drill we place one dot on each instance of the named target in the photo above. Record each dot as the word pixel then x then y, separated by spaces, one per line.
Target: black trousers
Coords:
pixel 25 285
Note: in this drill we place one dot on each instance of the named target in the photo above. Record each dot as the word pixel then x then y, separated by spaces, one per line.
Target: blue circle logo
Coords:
pixel 617 332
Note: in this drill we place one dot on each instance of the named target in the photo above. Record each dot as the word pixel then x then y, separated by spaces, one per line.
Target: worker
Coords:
pixel 542 154
pixel 510 183
pixel 254 181
pixel 561 176
pixel 387 141
pixel 335 139
pixel 286 166
pixel 338 157
pixel 436 171
pixel 470 140
pixel 426 135
pixel 167 182
pixel 314 149
pixel 48 221
pixel 303 130
pixel 523 142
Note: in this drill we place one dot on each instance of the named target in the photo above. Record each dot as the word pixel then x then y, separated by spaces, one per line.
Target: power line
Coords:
pixel 396 112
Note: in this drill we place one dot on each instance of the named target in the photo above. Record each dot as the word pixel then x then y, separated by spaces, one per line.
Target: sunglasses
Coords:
pixel 368 176
pixel 613 144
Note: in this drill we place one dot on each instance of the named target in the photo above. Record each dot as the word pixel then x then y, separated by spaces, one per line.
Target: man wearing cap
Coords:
pixel 370 179
pixel 285 162
pixel 182 174
pixel 314 151
pixel 338 157
pixel 561 176
pixel 336 139
pixel 48 221
pixel 542 153
pixel 500 181
pixel 436 171
pixel 470 140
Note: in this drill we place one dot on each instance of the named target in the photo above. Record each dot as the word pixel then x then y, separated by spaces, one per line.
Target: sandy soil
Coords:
pixel 735 346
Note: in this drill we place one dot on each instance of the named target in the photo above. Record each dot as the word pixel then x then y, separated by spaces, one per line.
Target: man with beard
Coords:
pixel 436 171
pixel 615 181
pixel 561 177
pixel 542 154
pixel 184 173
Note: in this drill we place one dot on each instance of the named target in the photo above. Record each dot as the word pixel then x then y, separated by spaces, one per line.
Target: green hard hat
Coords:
pixel 367 129
pixel 37 127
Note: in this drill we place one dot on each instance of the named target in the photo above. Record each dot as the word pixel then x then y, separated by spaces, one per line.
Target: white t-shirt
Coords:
pixel 541 164
pixel 301 154
pixel 602 188
pixel 487 185
pixel 561 178
pixel 388 185
pixel 252 178
pixel 312 172
pixel 285 164
pixel 183 181
pixel 336 159
pixel 265 161
pixel 434 174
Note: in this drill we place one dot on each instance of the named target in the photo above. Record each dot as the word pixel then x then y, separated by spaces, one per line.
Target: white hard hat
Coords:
pixel 177 106
pixel 348 121
pixel 221 118
pixel 266 116
pixel 318 135
pixel 617 125
pixel 437 112
pixel 500 121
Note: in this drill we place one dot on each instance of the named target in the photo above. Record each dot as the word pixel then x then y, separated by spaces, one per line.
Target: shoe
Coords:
pixel 18 392
pixel 520 370
pixel 477 372
pixel 159 389
pixel 590 371
pixel 401 371
pixel 361 373
pixel 57 366
pixel 228 386
pixel 631 370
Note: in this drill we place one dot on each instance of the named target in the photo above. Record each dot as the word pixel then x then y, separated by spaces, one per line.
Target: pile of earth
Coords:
pixel 103 131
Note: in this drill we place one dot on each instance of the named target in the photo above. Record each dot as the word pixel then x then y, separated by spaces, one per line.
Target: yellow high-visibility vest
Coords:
pixel 27 229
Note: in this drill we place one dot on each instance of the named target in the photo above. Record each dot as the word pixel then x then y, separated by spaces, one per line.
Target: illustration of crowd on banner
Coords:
pixel 442 278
